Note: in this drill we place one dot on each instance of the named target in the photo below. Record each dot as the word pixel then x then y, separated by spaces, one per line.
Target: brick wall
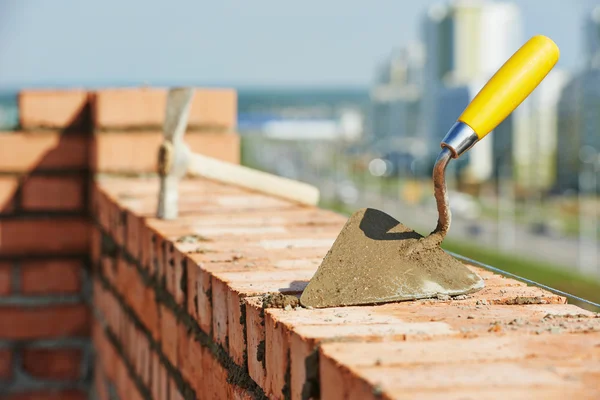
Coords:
pixel 189 296
pixel 180 309
pixel 46 166
pixel 45 285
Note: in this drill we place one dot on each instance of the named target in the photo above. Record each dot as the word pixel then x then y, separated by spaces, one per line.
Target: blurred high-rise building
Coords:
pixel 466 41
pixel 578 113
pixel 592 39
pixel 395 101
pixel 396 94
pixel 536 134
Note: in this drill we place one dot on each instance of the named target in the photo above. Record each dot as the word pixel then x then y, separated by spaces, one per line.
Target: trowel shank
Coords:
pixel 458 140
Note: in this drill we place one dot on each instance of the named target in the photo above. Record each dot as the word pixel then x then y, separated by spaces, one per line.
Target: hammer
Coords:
pixel 175 160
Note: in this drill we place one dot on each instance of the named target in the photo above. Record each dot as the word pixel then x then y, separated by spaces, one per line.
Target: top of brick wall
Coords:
pixel 508 340
pixel 122 108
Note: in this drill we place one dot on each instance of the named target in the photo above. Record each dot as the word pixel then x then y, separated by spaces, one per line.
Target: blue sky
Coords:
pixel 229 42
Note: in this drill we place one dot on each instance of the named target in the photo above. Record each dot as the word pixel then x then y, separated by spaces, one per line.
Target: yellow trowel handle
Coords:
pixel 513 82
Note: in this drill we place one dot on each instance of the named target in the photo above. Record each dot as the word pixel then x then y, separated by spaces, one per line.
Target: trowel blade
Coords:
pixel 375 259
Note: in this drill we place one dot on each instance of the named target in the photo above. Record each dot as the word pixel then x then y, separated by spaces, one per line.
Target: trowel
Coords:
pixel 375 259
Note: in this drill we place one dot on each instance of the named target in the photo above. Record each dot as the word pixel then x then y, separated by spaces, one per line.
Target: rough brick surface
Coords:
pixel 53 193
pixel 61 236
pixel 137 152
pixel 44 322
pixel 169 334
pixel 493 364
pixel 8 191
pixel 62 364
pixel 47 395
pixel 134 107
pixel 42 151
pixel 51 277
pixel 5 278
pixel 51 108
pixel 6 357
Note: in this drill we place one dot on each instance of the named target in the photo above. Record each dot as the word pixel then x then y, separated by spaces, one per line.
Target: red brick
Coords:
pixel 155 389
pixel 146 247
pixel 44 322
pixel 215 377
pixel 102 210
pixel 144 360
pixel 300 350
pixel 169 333
pixel 219 312
pixel 44 236
pixel 160 383
pixel 255 338
pixel 133 240
pixel 51 277
pixel 8 189
pixel 21 152
pixel 53 193
pixel 174 393
pixel 145 107
pixel 127 340
pixel 277 349
pixel 180 286
pixel 214 108
pixel 204 299
pixel 51 108
pixel 191 288
pixel 109 268
pixel 157 262
pixel 150 316
pixel 235 328
pixel 105 352
pixel 164 382
pixel 492 364
pixel 333 380
pixel 53 363
pixel 170 268
pixel 117 228
pixel 125 107
pixel 95 245
pixel 99 383
pixel 194 366
pixel 137 152
pixel 222 146
pixel 6 358
pixel 184 359
pixel 5 278
pixel 48 395
pixel 122 380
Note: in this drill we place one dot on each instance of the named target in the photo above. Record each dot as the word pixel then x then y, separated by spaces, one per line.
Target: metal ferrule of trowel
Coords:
pixel 460 138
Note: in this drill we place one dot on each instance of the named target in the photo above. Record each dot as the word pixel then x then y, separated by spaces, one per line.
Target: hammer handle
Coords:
pixel 252 179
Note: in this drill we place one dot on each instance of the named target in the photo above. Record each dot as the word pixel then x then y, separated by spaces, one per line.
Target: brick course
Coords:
pixel 59 276
pixel 61 364
pixel 177 306
pixel 279 350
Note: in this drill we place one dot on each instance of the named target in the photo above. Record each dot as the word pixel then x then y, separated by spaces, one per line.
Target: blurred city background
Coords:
pixel 355 98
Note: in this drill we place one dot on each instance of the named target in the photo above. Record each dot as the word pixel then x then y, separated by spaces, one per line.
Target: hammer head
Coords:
pixel 173 154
